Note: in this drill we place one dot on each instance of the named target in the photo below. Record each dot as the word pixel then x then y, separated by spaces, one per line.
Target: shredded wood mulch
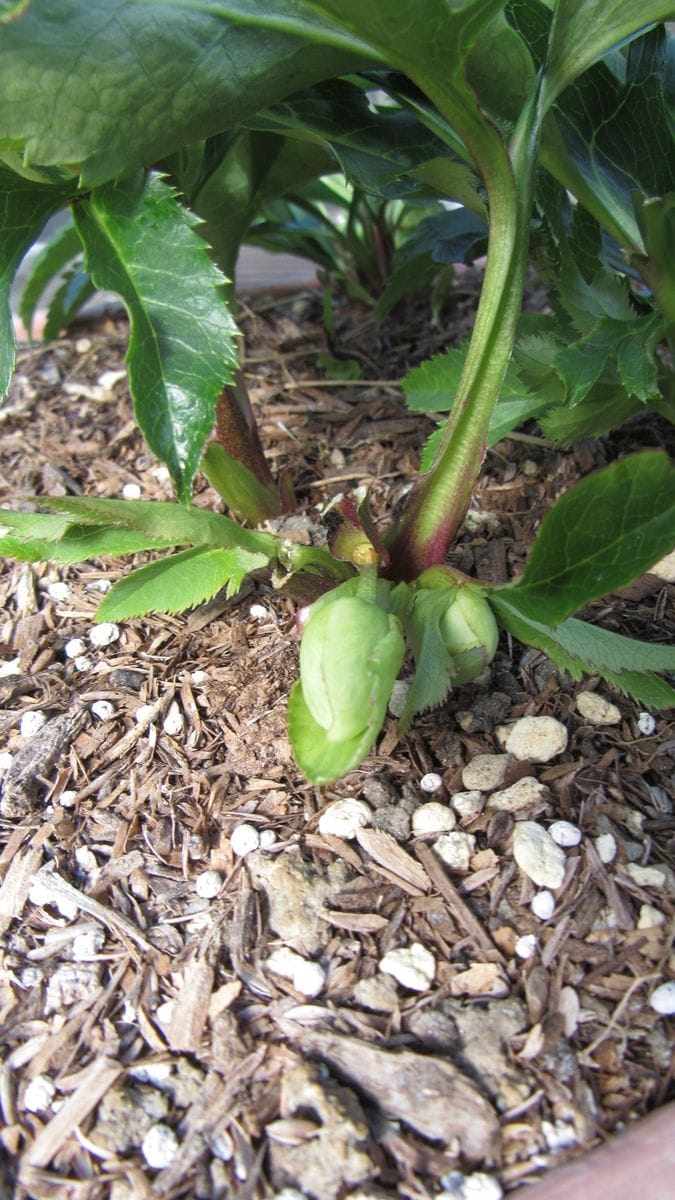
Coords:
pixel 149 1047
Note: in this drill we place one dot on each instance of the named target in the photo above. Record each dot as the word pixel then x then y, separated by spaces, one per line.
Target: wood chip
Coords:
pixel 356 922
pixel 98 1077
pixel 385 850
pixel 190 1008
pixel 460 911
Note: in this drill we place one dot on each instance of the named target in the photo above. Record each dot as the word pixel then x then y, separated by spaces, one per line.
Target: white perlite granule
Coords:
pixel 244 839
pixel 413 966
pixel 159 1146
pixel 344 818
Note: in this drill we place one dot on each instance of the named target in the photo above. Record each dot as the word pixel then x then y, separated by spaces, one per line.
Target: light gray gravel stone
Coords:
pixel 468 805
pixel 564 833
pixel 596 710
pixel 486 772
pixel 538 739
pixel 543 905
pixel 344 818
pixel 537 854
pixel 433 817
pixel 412 966
pixel 455 850
pixel 662 999
pixel 159 1146
pixel 606 847
pixel 522 794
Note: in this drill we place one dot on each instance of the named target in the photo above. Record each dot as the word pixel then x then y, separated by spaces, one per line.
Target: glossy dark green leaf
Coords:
pixel 241 490
pixel 47 266
pixel 575 560
pixel 141 243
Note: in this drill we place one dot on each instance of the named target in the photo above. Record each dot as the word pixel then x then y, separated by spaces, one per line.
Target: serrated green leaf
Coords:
pixel 141 243
pixel 61 249
pixel 25 206
pixel 179 582
pixel 636 360
pixel 36 540
pixel 320 760
pixel 598 537
pixel 579 648
pixel 434 666
pixel 431 387
pixel 599 414
pixel 172 523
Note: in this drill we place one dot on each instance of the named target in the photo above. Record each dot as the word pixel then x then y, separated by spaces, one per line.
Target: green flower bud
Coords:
pixel 469 633
pixel 350 655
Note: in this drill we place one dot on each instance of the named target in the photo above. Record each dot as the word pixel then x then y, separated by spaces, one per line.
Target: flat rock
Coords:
pixel 537 854
pixel 486 772
pixel 523 794
pixel 296 894
pixel 538 739
pixel 596 710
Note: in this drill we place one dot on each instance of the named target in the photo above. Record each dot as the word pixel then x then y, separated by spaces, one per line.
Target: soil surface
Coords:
pixel 158 1035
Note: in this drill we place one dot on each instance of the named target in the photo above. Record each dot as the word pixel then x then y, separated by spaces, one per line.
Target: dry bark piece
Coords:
pixel 429 1094
pixel 386 851
pixel 23 780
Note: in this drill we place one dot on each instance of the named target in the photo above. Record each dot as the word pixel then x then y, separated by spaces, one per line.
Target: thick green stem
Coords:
pixel 439 500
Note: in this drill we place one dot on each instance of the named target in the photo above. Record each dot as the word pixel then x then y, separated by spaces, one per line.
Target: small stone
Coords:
pixel 82 663
pixel 455 850
pixel 468 805
pixel 399 695
pixel 131 491
pixel 104 634
pixel 650 917
pixel 522 794
pixel 199 678
pixel 32 722
pixel 480 979
pixel 559 1135
pixel 259 612
pixel 605 845
pixel 476 521
pixel 377 993
pixel 208 884
pixel 543 905
pixel 431 782
pixel 477 1186
pixel 86 859
pixel 413 967
pixel 108 379
pixel 6 760
pixel 159 1146
pixel 538 739
pixel 526 945
pixel 564 833
pixel 10 666
pixel 307 977
pixel 665 568
pixel 646 724
pixel 289 1193
pixel 161 473
pixel 83 345
pixel 102 585
pixel 596 710
pixel 41 895
pixel 58 591
pixel 267 839
pixel 530 468
pixel 142 712
pixel 103 709
pixel 393 819
pixel 646 876
pixel 662 999
pixel 174 720
pixel 344 818
pixel 39 1094
pixel 537 854
pixel 486 772
pixel 244 839
pixel 87 944
pixel 433 818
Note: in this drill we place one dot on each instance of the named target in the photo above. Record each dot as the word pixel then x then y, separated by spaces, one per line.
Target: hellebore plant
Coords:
pixel 523 115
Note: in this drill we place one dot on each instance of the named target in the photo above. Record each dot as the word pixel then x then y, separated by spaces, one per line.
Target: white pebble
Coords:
pixel 662 999
pixel 605 845
pixel 10 666
pixel 32 722
pixel 104 634
pixel 455 850
pixel 244 839
pixel 650 917
pixel 431 782
pixel 162 474
pixel 131 491
pixel 58 591
pixel 108 379
pixel 289 1193
pixel 564 833
pixel 646 876
pixel 538 739
pixel 468 805
pixel 646 724
pixel 103 585
pixel 6 760
pixel 398 698
pixel 199 677
pixel 143 711
pixel 103 709
pixel 41 895
pixel 522 794
pixel 559 1135
pixel 307 977
pixel 159 1146
pixel 208 884
pixel 433 818
pixel 344 818
pixel 39 1094
pixel 174 720
pixel 537 854
pixel 74 648
pixel 413 967
pixel 543 905
pixel 477 1186
pixel 86 859
pixel 596 710
pixel 267 839
pixel 82 663
pixel 259 612
pixel 526 945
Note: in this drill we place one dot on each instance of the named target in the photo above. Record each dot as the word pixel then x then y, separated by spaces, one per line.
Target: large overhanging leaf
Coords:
pixel 106 90
pixel 585 30
pixel 141 243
